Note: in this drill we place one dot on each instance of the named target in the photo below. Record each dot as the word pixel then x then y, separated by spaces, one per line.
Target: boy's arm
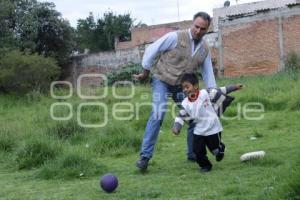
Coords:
pixel 182 117
pixel 231 88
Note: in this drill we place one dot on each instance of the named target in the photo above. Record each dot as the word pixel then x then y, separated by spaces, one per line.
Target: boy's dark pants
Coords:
pixel 214 144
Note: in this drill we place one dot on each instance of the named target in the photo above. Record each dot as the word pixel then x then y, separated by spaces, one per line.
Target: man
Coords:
pixel 171 56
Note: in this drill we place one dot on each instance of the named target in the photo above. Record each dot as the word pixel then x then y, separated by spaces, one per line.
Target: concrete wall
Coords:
pixel 103 62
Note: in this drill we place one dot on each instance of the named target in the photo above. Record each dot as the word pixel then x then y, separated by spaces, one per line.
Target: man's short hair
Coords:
pixel 190 78
pixel 203 15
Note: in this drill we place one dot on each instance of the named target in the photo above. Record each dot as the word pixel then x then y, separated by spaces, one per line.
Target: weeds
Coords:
pixel 70 165
pixel 36 152
pixel 64 129
pixel 7 140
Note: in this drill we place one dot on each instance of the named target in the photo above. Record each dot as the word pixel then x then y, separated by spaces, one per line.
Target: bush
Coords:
pixel 22 73
pixel 35 152
pixel 292 62
pixel 124 74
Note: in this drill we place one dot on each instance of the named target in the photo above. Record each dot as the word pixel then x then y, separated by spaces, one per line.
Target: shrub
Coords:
pixel 35 152
pixel 124 74
pixel 22 73
pixel 292 62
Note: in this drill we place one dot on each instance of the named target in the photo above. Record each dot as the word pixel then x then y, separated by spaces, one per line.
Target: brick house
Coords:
pixel 245 39
pixel 255 38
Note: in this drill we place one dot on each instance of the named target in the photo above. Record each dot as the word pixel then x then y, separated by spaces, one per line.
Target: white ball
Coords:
pixel 252 155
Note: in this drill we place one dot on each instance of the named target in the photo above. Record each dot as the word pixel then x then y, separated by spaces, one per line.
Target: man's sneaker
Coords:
pixel 142 163
pixel 205 169
pixel 220 155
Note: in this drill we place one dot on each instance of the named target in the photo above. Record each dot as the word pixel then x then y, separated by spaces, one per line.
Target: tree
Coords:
pixel 6 24
pixel 36 27
pixel 100 35
pixel 86 37
pixel 21 72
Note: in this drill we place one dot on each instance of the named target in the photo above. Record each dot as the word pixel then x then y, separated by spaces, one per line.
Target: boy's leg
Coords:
pixel 216 146
pixel 159 105
pixel 178 96
pixel 199 147
pixel 189 139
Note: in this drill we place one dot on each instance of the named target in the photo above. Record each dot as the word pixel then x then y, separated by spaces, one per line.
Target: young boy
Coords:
pixel 199 108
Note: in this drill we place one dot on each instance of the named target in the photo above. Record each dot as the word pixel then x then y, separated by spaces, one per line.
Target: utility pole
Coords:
pixel 178 19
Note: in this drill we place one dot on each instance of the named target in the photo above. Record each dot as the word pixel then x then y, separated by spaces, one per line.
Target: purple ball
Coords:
pixel 109 182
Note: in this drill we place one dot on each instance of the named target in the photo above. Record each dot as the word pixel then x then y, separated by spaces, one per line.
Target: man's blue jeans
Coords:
pixel 160 93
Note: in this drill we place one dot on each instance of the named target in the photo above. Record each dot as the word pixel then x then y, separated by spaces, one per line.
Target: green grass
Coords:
pixel 45 159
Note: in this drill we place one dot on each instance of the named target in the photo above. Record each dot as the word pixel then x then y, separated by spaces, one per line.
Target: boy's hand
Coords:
pixel 175 131
pixel 239 86
pixel 176 128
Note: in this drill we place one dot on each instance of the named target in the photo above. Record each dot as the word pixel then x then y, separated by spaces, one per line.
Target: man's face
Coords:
pixel 199 28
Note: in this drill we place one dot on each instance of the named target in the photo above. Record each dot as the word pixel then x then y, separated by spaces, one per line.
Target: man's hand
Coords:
pixel 142 76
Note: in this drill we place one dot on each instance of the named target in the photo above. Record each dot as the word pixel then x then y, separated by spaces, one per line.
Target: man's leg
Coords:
pixel 159 106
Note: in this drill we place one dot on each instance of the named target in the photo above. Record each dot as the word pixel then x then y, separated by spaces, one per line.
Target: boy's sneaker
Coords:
pixel 191 159
pixel 220 155
pixel 205 169
pixel 142 164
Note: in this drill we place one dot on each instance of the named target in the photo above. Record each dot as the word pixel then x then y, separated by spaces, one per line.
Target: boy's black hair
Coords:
pixel 190 78
pixel 203 15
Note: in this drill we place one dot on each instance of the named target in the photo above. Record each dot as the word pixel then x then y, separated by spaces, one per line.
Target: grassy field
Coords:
pixel 41 158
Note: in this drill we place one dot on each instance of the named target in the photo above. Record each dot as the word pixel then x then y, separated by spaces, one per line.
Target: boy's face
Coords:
pixel 189 89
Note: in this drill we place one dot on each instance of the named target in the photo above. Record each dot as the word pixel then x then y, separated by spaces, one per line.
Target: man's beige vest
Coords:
pixel 171 65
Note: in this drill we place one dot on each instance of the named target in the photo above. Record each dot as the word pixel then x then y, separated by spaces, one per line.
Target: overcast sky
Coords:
pixel 147 11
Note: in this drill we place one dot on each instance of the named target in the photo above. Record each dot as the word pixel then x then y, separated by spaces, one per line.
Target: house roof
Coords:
pixel 258 6
pixel 245 9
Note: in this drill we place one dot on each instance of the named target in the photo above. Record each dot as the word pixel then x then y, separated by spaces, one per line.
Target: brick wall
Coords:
pixel 252 45
pixel 291 27
pixel 148 34
pixel 251 49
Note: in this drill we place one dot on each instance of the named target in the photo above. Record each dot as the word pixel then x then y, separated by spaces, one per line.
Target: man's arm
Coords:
pixel 165 43
pixel 208 72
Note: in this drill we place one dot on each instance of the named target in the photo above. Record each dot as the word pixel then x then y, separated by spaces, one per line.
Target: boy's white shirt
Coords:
pixel 203 114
